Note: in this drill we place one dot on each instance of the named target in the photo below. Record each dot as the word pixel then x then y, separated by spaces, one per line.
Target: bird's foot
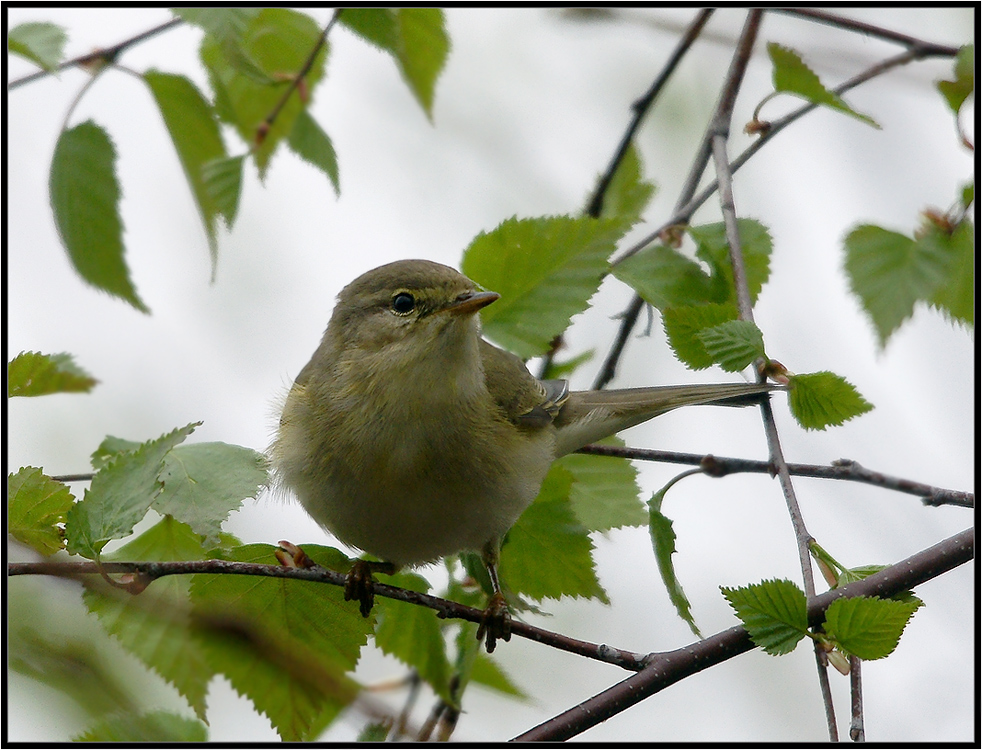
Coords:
pixel 495 622
pixel 360 583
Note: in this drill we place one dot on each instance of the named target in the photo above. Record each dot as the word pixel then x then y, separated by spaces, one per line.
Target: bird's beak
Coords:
pixel 469 303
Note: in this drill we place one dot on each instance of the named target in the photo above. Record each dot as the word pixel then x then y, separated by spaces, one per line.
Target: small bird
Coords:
pixel 410 437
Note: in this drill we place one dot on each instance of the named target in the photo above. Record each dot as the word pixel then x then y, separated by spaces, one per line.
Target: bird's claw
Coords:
pixel 495 622
pixel 360 583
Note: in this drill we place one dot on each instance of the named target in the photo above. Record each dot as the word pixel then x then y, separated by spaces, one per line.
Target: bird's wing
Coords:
pixel 524 400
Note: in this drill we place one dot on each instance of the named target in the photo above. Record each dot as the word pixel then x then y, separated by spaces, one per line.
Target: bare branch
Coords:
pixel 149 571
pixel 843 469
pixel 665 669
pixel 924 48
pixel 641 107
pixel 857 732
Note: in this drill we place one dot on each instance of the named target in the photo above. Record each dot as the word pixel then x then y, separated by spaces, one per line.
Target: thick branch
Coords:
pixel 665 669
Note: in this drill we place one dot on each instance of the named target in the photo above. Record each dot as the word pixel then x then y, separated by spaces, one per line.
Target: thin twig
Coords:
pixel 628 318
pixel 106 54
pixel 724 177
pixel 666 669
pixel 720 135
pixel 843 469
pixel 822 664
pixel 264 127
pixel 445 608
pixel 684 214
pixel 87 477
pixel 926 48
pixel 720 132
pixel 596 202
pixel 641 107
pixel 857 731
pixel 402 721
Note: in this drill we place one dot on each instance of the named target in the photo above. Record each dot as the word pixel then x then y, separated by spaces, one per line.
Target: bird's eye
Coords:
pixel 403 303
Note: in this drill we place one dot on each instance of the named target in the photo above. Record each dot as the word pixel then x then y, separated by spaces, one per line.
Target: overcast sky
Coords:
pixel 527 113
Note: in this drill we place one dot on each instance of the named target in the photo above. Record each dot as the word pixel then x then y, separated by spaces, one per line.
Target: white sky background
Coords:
pixel 528 112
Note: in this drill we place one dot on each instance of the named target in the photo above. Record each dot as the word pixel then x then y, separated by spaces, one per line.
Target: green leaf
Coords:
pixel 773 612
pixel 489 673
pixel 820 399
pixel 203 483
pixel 955 296
pixel 156 626
pixel 755 246
pixel 889 272
pixel 843 576
pixel 792 76
pixel 665 278
pixel 422 51
pixel 375 731
pixel 868 627
pixel 41 43
pixel 279 41
pixel 968 194
pixel 628 194
pixel 415 37
pixel 227 28
pixel 604 494
pixel 413 635
pixel 36 506
pixel 683 325
pixel 663 537
pixel 955 92
pixel 109 448
pixel 375 25
pixel 557 370
pixel 222 180
pixel 309 141
pixel 545 269
pixel 85 201
pixel 157 727
pixel 733 344
pixel 547 553
pixel 68 660
pixel 850 575
pixel 225 24
pixel 865 571
pixel 119 496
pixel 194 130
pixel 36 374
pixel 284 644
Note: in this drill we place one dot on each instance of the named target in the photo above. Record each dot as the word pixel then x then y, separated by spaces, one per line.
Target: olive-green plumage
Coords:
pixel 411 438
